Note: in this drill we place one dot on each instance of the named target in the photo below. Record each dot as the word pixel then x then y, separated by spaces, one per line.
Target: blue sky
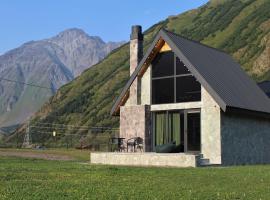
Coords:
pixel 22 21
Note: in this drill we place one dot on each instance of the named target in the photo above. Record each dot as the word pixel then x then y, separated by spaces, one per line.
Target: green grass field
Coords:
pixel 73 154
pixel 25 178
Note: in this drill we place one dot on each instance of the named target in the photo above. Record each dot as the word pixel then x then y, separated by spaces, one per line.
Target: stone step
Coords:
pixel 204 162
pixel 200 156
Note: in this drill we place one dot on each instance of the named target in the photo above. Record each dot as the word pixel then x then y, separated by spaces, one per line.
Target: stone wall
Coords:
pixel 145 87
pixel 245 139
pixel 210 129
pixel 136 52
pixel 135 122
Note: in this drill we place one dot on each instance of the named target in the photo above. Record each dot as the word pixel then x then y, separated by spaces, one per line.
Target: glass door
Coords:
pixel 168 127
pixel 192 131
pixel 182 127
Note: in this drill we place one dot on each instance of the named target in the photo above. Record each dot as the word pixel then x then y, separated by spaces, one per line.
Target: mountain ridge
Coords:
pixel 56 58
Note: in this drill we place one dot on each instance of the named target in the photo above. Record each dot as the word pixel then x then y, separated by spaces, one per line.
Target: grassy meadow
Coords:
pixel 29 178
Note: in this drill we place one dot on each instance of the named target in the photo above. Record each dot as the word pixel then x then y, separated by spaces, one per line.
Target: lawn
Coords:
pixel 24 178
pixel 60 154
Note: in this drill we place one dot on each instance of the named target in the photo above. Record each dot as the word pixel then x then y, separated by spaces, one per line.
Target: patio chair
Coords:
pixel 121 145
pixel 139 143
pixel 116 144
pixel 135 143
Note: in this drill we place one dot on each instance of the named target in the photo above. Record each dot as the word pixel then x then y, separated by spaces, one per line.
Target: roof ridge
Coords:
pixel 194 41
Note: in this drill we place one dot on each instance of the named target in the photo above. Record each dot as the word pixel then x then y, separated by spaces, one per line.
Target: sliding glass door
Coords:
pixel 168 126
pixel 174 127
pixel 181 127
pixel 193 131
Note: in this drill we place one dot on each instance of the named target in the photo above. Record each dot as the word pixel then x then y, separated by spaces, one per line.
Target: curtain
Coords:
pixel 167 128
pixel 160 128
pixel 176 128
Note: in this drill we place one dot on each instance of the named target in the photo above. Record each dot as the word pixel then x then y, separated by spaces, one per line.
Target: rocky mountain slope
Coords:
pixel 51 63
pixel 241 28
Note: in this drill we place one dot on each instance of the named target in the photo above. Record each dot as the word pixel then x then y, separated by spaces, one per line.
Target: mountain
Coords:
pixel 50 63
pixel 241 28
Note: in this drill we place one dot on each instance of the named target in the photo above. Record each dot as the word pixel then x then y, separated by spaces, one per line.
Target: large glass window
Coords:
pixel 180 67
pixel 187 89
pixel 164 65
pixel 163 91
pixel 172 82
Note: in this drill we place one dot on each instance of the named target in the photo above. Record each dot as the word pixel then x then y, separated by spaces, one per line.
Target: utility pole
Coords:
pixel 27 142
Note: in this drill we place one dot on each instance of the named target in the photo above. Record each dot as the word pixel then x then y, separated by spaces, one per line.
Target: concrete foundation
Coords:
pixel 146 159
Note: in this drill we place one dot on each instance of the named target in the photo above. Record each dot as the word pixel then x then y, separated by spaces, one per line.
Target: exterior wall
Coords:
pixel 210 129
pixel 127 103
pixel 146 87
pixel 245 139
pixel 135 122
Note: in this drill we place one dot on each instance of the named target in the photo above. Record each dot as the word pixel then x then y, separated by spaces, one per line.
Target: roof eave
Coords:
pixel 248 112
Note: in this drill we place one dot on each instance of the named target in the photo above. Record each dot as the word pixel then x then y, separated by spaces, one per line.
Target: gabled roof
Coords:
pixel 216 71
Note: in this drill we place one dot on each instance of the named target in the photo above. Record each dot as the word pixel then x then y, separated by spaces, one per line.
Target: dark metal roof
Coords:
pixel 217 72
pixel 265 86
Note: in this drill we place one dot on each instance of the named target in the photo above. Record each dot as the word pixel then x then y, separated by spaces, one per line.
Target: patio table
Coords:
pixel 119 141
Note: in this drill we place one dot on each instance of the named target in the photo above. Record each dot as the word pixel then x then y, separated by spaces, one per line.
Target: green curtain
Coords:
pixel 175 128
pixel 167 128
pixel 169 135
pixel 160 128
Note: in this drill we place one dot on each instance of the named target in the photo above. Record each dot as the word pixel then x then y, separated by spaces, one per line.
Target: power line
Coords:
pixel 23 83
pixel 54 124
pixel 75 126
pixel 47 127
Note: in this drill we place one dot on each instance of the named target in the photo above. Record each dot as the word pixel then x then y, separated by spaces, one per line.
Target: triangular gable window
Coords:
pixel 171 80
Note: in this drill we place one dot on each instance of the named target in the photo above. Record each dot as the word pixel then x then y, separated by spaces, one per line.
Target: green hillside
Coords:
pixel 240 28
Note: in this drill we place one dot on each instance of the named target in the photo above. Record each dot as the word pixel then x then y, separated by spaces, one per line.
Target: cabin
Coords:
pixel 194 96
